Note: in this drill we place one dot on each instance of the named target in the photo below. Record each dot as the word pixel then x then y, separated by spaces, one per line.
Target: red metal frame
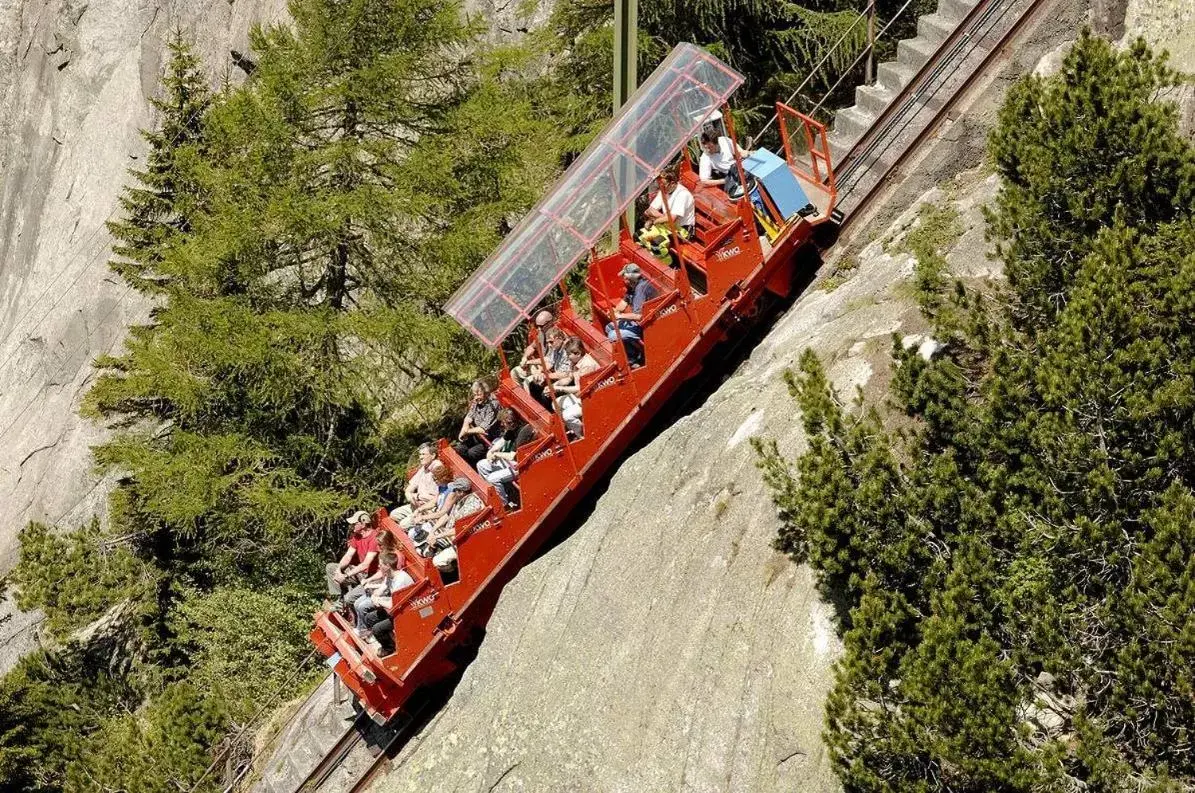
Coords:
pixel 680 328
pixel 816 144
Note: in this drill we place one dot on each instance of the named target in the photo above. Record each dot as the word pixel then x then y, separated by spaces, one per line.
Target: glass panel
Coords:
pixel 662 115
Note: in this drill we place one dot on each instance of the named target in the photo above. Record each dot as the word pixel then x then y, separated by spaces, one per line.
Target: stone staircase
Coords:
pixel 852 122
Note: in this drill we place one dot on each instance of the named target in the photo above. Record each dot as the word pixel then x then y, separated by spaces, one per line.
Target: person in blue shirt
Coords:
pixel 628 313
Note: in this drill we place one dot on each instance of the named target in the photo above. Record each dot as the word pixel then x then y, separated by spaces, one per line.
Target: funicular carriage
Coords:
pixel 720 275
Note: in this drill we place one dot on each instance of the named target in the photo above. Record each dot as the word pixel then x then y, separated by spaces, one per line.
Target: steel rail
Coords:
pixel 907 96
pixel 328 764
pixel 955 94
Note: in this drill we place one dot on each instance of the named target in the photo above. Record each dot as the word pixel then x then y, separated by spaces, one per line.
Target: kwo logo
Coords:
pixel 426 600
pixel 726 253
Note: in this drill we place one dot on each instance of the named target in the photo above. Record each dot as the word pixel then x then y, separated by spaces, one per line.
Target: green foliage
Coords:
pixel 1040 514
pixel 937 229
pixel 161 748
pixel 244 642
pixel 301 234
pixel 160 209
pixel 49 705
pixel 76 578
pixel 1076 149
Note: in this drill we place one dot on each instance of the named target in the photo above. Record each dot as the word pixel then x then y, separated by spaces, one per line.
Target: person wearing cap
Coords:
pixel 530 363
pixel 680 206
pixel 628 313
pixel 360 560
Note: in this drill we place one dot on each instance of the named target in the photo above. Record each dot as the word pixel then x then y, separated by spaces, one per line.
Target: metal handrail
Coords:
pixel 862 55
pixel 868 50
pixel 862 15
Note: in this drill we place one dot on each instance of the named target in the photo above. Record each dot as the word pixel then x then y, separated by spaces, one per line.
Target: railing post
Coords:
pixel 869 77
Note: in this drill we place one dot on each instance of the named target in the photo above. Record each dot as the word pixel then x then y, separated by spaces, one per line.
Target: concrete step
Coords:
pixel 839 146
pixel 915 52
pixel 893 75
pixel 935 27
pixel 851 122
pixel 955 9
pixel 873 98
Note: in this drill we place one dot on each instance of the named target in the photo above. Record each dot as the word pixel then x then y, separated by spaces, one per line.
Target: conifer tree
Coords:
pixel 1076 149
pixel 160 208
pixel 1048 477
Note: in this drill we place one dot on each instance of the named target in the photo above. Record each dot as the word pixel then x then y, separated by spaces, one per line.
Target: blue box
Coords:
pixel 779 182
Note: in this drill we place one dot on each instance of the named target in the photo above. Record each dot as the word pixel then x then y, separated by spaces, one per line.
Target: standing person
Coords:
pixel 421 489
pixel 628 313
pixel 680 206
pixel 480 425
pixel 358 562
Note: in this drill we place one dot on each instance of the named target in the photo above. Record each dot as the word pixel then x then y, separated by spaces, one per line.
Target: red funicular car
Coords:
pixel 740 249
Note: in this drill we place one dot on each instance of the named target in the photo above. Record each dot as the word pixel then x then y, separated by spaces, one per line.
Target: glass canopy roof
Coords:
pixel 667 110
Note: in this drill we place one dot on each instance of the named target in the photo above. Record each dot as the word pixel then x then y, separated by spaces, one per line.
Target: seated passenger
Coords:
pixel 440 544
pixel 555 366
pixel 498 468
pixel 628 313
pixel 544 321
pixel 424 519
pixel 358 563
pixel 568 397
pixel 480 425
pixel 373 611
pixel 421 488
pixel 680 207
pixel 716 167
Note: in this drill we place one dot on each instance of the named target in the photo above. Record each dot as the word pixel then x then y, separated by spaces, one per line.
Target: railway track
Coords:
pixel 913 116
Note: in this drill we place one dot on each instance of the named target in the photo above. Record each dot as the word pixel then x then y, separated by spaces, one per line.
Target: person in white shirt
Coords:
pixel 716 167
pixel 680 206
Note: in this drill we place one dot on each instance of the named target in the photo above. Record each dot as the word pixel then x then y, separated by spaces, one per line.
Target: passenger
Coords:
pixel 421 489
pixel 568 397
pixel 499 468
pixel 345 574
pixel 556 367
pixel 530 362
pixel 480 426
pixel 437 538
pixel 628 313
pixel 680 206
pixel 716 167
pixel 426 518
pixel 373 612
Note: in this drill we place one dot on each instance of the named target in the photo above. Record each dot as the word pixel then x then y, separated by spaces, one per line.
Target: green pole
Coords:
pixel 626 56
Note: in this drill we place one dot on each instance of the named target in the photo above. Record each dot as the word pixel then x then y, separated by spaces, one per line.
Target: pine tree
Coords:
pixel 160 208
pixel 1074 150
pixel 1048 476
